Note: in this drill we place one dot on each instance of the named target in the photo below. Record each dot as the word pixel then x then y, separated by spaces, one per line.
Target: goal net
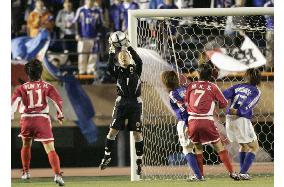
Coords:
pixel 181 43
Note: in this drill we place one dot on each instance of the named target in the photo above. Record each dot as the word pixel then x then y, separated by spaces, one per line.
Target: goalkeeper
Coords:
pixel 176 94
pixel 128 104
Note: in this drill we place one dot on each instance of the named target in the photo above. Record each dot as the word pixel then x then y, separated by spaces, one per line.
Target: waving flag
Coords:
pixel 238 59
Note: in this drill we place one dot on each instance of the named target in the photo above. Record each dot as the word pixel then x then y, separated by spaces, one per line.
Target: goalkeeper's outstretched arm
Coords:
pixel 112 68
pixel 136 58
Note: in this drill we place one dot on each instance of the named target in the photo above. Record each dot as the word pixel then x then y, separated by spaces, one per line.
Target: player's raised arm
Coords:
pixel 136 58
pixel 57 101
pixel 16 99
pixel 112 68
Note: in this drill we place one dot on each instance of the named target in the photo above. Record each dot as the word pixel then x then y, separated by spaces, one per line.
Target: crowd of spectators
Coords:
pixel 83 26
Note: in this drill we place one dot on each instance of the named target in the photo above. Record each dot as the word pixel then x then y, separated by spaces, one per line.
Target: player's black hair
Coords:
pixel 170 80
pixel 206 71
pixel 253 76
pixel 33 69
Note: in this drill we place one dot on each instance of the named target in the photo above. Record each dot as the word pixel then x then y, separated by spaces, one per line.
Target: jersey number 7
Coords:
pixel 201 93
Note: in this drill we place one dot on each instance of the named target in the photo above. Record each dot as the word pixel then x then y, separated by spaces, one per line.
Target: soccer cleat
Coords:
pixel 195 179
pixel 105 161
pixel 58 179
pixel 244 176
pixel 25 175
pixel 139 166
pixel 234 176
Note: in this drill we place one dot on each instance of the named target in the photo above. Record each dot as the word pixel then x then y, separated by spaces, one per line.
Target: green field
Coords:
pixel 259 181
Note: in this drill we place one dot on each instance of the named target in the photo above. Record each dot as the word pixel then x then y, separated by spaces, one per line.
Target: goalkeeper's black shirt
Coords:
pixel 128 79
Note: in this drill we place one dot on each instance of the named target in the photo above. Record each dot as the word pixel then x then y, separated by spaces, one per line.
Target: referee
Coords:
pixel 128 104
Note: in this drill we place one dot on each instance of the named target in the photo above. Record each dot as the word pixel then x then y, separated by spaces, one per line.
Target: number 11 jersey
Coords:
pixel 33 99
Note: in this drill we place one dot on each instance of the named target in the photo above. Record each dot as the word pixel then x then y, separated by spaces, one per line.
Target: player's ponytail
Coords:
pixel 34 69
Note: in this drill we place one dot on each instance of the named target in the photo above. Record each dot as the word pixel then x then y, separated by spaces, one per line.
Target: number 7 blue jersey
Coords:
pixel 244 98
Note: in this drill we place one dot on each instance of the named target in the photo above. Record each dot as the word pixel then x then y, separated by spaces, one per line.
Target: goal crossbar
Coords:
pixel 239 11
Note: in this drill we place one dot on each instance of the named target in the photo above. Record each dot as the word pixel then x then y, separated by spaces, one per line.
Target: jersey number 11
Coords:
pixel 31 98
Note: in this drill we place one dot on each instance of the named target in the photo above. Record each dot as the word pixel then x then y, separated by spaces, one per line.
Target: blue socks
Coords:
pixel 191 160
pixel 242 156
pixel 247 162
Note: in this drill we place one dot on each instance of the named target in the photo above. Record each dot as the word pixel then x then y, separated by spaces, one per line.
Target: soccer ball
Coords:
pixel 118 39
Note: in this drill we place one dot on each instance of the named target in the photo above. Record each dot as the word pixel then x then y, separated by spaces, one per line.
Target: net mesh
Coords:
pixel 180 44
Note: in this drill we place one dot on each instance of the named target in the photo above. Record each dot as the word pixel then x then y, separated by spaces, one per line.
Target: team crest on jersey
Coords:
pixel 131 69
pixel 138 124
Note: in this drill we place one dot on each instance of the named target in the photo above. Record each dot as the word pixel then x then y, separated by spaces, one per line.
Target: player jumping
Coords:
pixel 244 98
pixel 128 104
pixel 201 96
pixel 35 121
pixel 176 94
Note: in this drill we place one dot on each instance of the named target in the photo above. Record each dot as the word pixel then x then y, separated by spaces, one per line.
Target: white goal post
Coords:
pixel 133 16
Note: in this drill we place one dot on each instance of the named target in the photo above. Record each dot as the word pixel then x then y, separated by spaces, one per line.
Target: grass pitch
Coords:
pixel 123 181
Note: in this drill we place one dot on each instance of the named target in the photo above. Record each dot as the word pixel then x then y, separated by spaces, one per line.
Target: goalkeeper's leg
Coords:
pixel 110 140
pixel 139 144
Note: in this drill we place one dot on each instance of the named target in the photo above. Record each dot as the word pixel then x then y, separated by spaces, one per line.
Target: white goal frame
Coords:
pixel 162 13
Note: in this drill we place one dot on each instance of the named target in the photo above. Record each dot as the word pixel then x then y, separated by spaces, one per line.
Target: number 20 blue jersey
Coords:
pixel 244 98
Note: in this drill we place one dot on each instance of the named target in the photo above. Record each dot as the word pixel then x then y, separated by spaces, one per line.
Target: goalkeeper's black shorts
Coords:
pixel 129 109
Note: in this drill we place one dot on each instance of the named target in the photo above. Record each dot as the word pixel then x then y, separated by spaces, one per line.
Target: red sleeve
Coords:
pixel 219 97
pixel 15 100
pixel 57 101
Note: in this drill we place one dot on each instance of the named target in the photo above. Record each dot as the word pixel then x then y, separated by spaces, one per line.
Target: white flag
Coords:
pixel 237 60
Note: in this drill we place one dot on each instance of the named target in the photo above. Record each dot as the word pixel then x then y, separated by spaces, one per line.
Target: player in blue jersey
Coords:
pixel 176 94
pixel 244 98
pixel 88 21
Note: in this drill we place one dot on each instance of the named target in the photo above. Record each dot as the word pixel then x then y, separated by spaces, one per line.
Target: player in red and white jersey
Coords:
pixel 32 100
pixel 202 97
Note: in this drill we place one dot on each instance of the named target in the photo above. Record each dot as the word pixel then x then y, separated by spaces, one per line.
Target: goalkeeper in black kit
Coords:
pixel 128 104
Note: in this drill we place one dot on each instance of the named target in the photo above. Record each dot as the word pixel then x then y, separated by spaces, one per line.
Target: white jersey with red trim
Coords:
pixel 201 97
pixel 33 99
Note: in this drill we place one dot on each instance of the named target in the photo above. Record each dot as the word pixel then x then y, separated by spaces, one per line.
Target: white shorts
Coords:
pixel 239 129
pixel 182 135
